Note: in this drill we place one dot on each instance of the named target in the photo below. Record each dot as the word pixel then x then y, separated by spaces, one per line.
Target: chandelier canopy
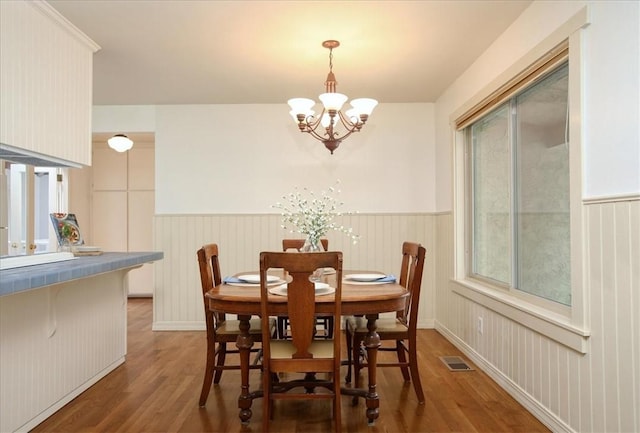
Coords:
pixel 323 127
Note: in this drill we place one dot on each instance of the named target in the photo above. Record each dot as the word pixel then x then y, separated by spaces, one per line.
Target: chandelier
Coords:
pixel 323 127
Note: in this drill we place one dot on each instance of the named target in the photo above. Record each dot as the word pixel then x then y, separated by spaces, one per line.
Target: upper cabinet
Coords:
pixel 46 73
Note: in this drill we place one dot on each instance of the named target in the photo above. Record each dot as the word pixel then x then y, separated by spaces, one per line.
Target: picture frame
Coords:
pixel 67 229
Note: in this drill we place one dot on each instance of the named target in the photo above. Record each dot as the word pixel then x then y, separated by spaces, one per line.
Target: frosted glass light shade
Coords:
pixel 301 105
pixel 333 101
pixel 364 105
pixel 352 115
pixel 120 143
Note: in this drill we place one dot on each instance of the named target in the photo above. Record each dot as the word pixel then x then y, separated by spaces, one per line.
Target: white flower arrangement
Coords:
pixel 313 216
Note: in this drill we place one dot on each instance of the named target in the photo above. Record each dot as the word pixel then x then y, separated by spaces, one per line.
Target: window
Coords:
pixel 27 196
pixel 518 215
pixel 518 190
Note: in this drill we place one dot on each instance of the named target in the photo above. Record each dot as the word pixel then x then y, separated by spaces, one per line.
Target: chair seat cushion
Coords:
pixel 284 349
pixel 233 326
pixel 385 325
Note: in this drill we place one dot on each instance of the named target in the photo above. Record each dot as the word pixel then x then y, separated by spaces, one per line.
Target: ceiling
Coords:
pixel 245 52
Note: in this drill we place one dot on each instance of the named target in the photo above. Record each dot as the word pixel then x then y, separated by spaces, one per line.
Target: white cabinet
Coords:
pixel 46 73
pixel 109 220
pixel 123 206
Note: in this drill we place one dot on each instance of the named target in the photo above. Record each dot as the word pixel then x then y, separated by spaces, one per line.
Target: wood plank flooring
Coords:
pixel 157 390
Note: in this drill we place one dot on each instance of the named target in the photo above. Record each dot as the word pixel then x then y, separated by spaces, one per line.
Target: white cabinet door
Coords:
pixel 109 222
pixel 140 223
pixel 141 168
pixel 46 76
pixel 109 169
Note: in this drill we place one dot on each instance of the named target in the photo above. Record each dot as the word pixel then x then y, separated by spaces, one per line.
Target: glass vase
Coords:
pixel 312 244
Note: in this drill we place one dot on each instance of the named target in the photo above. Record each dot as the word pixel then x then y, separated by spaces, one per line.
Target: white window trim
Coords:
pixel 570 329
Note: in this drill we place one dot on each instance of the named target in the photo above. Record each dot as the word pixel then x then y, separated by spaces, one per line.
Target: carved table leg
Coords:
pixel 244 344
pixel 371 343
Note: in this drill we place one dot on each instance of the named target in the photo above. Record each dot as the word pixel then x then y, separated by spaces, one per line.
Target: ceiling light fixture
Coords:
pixel 352 120
pixel 120 143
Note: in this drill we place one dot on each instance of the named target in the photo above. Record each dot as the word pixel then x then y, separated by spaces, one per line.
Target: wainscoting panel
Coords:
pixel 568 391
pixel 241 238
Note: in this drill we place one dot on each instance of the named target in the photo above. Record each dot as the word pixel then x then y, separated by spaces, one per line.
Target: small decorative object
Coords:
pixel 313 216
pixel 67 230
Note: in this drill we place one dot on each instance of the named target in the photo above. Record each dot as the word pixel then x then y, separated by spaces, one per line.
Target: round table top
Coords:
pixel 357 297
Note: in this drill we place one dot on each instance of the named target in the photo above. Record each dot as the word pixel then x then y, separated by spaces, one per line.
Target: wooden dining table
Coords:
pixel 367 299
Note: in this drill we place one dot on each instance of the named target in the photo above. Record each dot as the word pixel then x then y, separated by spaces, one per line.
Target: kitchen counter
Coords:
pixel 32 277
pixel 63 327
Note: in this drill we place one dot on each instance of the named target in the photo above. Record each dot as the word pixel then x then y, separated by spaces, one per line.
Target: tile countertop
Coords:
pixel 32 277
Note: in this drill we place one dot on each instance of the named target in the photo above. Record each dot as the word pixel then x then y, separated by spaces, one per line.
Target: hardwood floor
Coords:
pixel 157 390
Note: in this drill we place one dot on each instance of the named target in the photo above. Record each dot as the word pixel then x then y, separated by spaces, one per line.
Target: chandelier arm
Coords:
pixel 311 122
pixel 315 135
pixel 348 124
pixel 348 133
pixel 311 127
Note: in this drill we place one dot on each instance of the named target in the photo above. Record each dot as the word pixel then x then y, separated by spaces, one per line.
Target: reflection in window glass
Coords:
pixel 542 170
pixel 491 204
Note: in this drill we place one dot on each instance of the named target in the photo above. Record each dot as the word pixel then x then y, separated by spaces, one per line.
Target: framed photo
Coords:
pixel 67 228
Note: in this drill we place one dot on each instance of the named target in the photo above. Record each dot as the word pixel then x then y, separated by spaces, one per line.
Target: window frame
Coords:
pixel 509 107
pixel 564 324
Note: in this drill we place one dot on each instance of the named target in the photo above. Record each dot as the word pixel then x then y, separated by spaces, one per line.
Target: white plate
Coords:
pixel 255 278
pixel 366 283
pixel 86 249
pixel 364 277
pixel 321 289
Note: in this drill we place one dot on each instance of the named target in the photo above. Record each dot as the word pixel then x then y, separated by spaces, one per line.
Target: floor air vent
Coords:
pixel 455 363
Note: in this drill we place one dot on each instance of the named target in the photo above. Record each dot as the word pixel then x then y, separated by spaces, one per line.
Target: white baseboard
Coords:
pixel 179 326
pixel 200 326
pixel 426 324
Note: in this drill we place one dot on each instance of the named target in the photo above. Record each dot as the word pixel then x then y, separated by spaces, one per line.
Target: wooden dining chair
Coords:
pixel 301 354
pixel 324 322
pixel 401 329
pixel 220 329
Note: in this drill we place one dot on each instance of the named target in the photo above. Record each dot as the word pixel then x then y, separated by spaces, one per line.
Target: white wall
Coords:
pixel 123 118
pixel 611 151
pixel 612 123
pixel 243 158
